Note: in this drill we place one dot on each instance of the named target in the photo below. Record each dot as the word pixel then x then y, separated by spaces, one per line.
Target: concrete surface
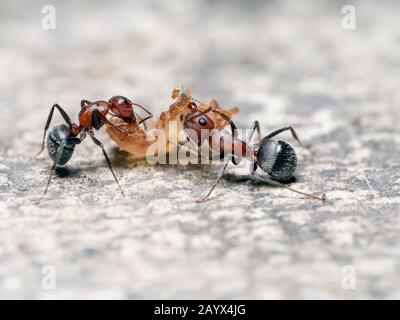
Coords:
pixel 282 63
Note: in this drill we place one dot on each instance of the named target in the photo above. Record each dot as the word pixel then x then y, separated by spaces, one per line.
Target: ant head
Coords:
pixel 197 124
pixel 122 108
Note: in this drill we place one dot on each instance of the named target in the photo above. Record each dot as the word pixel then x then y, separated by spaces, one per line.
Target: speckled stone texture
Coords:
pixel 283 63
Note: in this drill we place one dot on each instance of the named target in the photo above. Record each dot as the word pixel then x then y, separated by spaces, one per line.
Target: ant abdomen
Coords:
pixel 61 135
pixel 278 159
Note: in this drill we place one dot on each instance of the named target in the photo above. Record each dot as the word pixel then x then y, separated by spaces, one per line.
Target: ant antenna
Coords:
pixel 149 114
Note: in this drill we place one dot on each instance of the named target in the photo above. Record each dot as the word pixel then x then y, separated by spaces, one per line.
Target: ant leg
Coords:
pixel 294 135
pixel 98 119
pixel 228 119
pixel 47 125
pixel 84 104
pixel 215 183
pixel 254 127
pixel 278 184
pixel 57 160
pixel 100 144
pixel 53 168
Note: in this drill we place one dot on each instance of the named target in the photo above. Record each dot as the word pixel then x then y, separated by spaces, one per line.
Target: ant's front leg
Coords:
pixel 119 125
pixel 99 119
pixel 254 128
pixel 47 125
pixel 100 144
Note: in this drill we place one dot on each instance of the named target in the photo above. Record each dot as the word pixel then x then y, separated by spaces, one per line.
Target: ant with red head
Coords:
pixel 62 139
pixel 276 158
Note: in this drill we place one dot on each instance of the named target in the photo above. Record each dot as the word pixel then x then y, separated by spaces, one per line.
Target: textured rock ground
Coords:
pixel 282 63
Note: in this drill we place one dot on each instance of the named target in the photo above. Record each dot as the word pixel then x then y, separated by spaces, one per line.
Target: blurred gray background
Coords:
pixel 283 63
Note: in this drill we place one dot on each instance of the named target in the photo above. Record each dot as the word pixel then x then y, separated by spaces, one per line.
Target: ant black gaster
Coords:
pixel 62 138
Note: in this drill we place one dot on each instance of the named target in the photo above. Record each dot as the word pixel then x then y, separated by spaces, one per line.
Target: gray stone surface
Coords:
pixel 282 63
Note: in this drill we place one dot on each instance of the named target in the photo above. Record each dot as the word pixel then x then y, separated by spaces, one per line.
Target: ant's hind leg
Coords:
pixel 277 184
pixel 53 168
pixel 254 128
pixel 47 125
pixel 294 135
pixel 100 144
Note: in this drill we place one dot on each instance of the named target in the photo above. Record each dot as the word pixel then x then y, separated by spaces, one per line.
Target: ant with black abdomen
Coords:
pixel 277 158
pixel 62 139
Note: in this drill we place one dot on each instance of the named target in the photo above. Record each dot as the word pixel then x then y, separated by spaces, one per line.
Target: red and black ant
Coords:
pixel 277 158
pixel 62 139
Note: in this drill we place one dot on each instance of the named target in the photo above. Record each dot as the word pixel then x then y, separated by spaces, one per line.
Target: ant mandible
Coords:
pixel 277 158
pixel 62 139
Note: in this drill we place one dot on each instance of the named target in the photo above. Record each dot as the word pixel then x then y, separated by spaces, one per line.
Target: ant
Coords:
pixel 277 158
pixel 62 138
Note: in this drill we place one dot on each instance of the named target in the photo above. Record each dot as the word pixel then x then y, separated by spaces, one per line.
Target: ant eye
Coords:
pixel 202 122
